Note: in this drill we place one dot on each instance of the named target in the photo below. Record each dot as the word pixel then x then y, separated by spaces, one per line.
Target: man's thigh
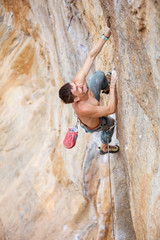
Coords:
pixel 97 83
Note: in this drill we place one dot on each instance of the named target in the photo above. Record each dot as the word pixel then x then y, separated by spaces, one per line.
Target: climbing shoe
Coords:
pixel 108 76
pixel 112 149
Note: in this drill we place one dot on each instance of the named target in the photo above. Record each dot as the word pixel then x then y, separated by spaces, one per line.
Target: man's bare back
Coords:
pixel 86 106
pixel 81 107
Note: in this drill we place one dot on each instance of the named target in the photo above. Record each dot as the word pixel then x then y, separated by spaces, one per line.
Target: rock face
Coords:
pixel 136 31
pixel 46 191
pixel 43 45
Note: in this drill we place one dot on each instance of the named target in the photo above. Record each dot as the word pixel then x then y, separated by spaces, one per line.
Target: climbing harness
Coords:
pixel 96 128
pixel 110 186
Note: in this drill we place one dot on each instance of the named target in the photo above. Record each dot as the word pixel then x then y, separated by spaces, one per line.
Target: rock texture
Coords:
pixel 46 191
pixel 136 31
pixel 43 45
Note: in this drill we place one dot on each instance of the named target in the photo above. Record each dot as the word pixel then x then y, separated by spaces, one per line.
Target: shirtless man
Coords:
pixel 85 98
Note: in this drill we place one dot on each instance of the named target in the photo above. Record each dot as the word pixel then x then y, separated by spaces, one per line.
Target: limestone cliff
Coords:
pixel 136 31
pixel 46 191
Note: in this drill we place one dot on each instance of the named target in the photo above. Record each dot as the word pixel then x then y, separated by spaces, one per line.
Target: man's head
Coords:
pixel 72 92
pixel 66 94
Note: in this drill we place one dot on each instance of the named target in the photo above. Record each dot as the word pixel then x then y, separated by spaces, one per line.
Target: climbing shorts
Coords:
pixel 97 83
pixel 106 122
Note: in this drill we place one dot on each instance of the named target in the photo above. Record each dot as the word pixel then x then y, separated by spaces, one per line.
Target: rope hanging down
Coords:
pixel 110 185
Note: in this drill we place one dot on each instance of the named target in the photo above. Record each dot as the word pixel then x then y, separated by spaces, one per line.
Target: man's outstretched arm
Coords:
pixel 81 75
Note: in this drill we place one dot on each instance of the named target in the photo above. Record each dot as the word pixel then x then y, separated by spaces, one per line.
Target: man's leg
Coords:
pixel 106 137
pixel 97 83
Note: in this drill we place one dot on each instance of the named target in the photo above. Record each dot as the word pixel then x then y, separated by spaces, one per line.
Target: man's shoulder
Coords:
pixel 78 107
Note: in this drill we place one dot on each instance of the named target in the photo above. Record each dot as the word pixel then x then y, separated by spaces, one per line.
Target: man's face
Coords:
pixel 78 89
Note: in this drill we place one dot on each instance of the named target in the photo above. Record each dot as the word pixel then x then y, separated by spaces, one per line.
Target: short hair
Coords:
pixel 66 94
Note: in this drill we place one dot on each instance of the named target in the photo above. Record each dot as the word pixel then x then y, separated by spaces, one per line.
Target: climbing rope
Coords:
pixel 111 127
pixel 110 186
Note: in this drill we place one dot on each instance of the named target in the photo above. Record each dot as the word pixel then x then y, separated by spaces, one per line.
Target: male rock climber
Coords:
pixel 85 98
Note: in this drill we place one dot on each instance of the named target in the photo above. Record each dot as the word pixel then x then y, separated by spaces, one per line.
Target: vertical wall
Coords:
pixel 46 191
pixel 136 31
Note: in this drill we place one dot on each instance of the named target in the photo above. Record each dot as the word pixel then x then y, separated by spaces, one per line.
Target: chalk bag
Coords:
pixel 71 137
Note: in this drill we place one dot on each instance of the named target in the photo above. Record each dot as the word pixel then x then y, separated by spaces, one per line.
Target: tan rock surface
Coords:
pixel 136 31
pixel 43 44
pixel 46 191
